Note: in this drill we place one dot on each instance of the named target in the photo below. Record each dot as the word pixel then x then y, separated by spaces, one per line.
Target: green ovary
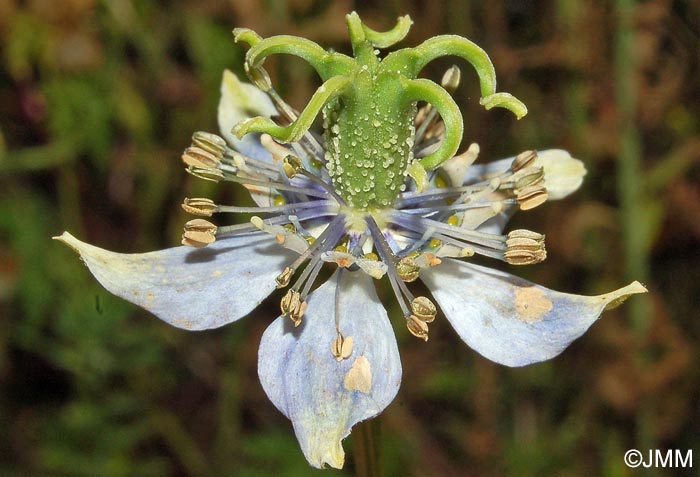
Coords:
pixel 369 139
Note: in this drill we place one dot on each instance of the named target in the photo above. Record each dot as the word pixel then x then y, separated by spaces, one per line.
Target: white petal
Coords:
pixel 241 101
pixel 510 320
pixel 563 174
pixel 191 288
pixel 322 396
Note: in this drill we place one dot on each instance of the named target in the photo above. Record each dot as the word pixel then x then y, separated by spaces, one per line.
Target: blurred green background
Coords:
pixel 97 100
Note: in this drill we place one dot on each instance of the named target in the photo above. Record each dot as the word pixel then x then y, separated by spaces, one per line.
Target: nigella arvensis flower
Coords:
pixel 381 194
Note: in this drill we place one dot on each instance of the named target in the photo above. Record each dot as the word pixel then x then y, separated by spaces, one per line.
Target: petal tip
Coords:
pixel 69 240
pixel 617 297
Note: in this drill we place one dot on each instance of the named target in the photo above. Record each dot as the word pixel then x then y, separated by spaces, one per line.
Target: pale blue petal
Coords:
pixel 240 101
pixel 191 288
pixel 324 397
pixel 510 320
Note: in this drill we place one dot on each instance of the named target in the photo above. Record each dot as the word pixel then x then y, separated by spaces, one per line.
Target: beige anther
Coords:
pixel 292 306
pixel 199 206
pixel 424 309
pixel 206 173
pixel 195 156
pixel 451 78
pixel 531 197
pixel 341 347
pixel 531 176
pixel 524 247
pixel 408 269
pixel 209 142
pixel 523 160
pixel 259 77
pixel 417 327
pixel 199 233
pixel 292 165
pixel 285 277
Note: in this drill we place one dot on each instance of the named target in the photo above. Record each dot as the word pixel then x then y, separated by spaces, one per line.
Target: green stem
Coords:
pixel 632 191
pixel 630 184
pixel 367 448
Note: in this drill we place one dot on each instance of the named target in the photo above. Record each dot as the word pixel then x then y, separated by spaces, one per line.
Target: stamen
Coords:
pixel 206 173
pixel 403 296
pixel 199 206
pixel 407 268
pixel 531 197
pixel 341 347
pixel 456 207
pixel 417 327
pixel 292 305
pixel 292 165
pixel 420 224
pixel 424 309
pixel 216 175
pixel 523 160
pixel 532 176
pixel 195 156
pixel 286 208
pixel 199 233
pixel 211 143
pixel 425 118
pixel 285 277
pixel 524 247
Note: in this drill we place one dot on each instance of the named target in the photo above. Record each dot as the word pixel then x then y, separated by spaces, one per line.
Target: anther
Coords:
pixel 532 176
pixel 199 206
pixel 531 196
pixel 206 173
pixel 199 233
pixel 341 347
pixel 408 269
pixel 285 277
pixel 292 165
pixel 417 327
pixel 523 160
pixel 211 143
pixel 291 305
pixel 423 309
pixel 259 77
pixel 524 247
pixel 195 156
pixel 451 78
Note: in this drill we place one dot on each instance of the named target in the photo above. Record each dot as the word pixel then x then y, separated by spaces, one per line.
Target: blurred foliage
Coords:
pixel 97 99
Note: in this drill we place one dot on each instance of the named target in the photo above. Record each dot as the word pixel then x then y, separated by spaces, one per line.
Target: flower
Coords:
pixel 381 194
